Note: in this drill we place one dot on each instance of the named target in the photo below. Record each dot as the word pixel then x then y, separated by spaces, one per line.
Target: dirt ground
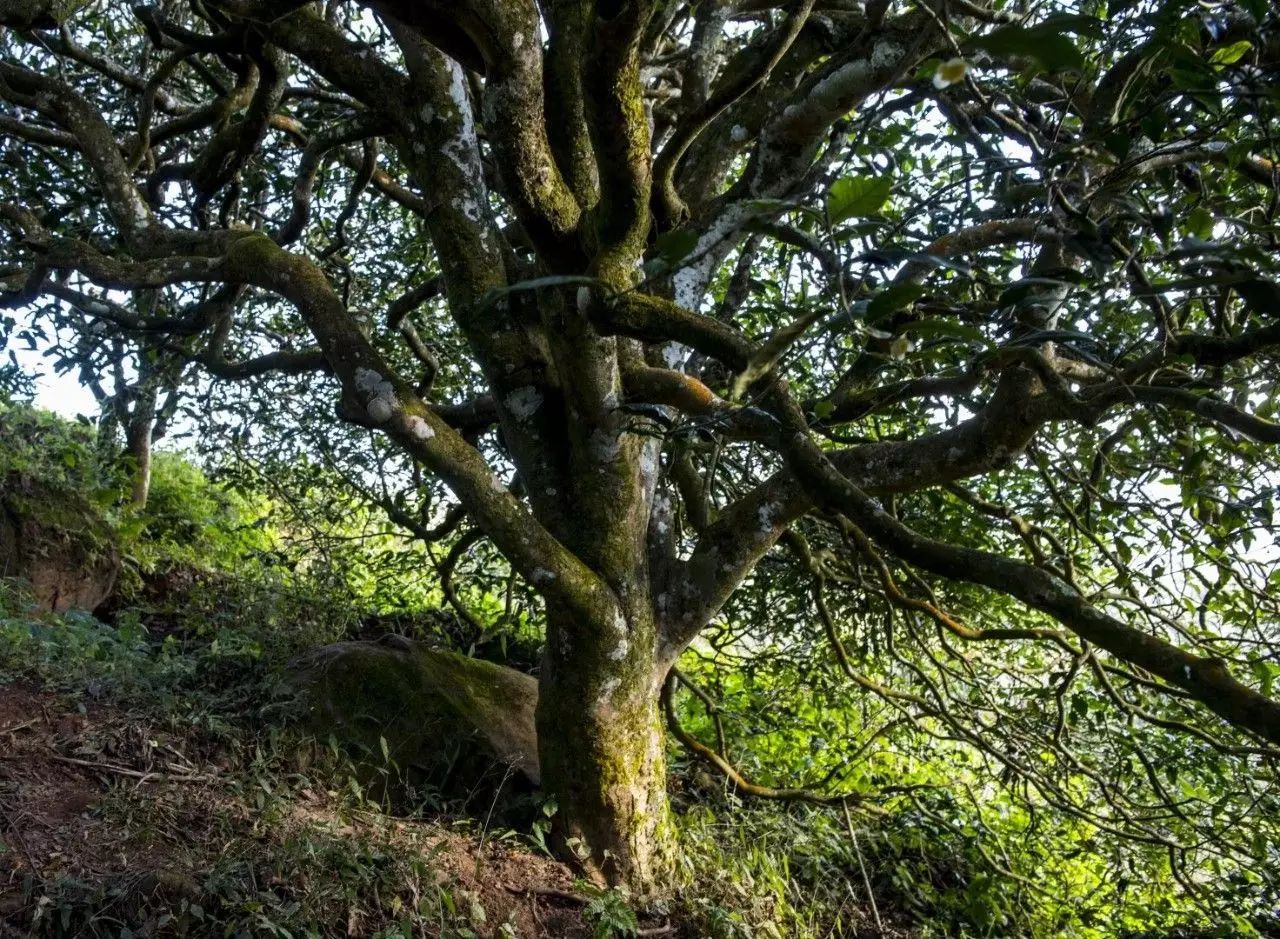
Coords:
pixel 92 797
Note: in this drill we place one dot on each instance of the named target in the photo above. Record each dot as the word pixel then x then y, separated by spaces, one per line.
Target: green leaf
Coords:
pixel 940 327
pixel 1229 55
pixel 1266 674
pixel 674 246
pixel 857 196
pixel 1200 223
pixel 1045 42
pixel 892 299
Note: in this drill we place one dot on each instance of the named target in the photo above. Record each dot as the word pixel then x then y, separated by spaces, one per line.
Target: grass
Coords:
pixel 198 810
pixel 152 780
pixel 208 813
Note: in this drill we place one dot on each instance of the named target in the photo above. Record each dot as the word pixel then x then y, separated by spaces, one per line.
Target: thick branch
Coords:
pixel 1207 680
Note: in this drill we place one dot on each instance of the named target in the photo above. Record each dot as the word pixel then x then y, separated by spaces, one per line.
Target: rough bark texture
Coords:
pixel 138 446
pixel 602 750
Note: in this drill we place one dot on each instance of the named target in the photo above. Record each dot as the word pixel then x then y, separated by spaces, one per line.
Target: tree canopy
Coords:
pixel 915 361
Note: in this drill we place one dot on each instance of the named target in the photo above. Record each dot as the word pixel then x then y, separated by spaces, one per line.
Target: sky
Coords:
pixel 62 394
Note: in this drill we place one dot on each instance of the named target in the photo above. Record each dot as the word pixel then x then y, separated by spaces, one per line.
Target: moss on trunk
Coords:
pixel 601 748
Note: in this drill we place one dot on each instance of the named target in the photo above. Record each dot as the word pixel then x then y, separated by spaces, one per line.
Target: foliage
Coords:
pixel 964 851
pixel 608 912
pixel 62 455
pixel 190 521
pixel 906 372
pixel 318 851
pixel 207 661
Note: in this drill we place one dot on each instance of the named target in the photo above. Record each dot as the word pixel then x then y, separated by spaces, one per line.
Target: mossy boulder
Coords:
pixel 419 716
pixel 56 541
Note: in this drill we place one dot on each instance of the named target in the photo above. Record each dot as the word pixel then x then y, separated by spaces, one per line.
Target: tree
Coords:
pixel 712 278
pixel 141 399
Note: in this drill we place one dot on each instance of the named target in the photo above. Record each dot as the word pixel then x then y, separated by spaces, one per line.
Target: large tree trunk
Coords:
pixel 139 420
pixel 138 445
pixel 600 743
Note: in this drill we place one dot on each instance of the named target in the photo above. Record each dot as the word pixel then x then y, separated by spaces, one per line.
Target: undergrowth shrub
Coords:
pixel 223 586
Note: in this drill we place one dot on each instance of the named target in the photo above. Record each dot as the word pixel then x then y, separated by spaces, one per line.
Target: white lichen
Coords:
pixel 649 462
pixel 886 54
pixel 464 151
pixel 367 380
pixel 674 355
pixel 738 134
pixel 524 402
pixel 660 516
pixel 380 410
pixel 419 429
pixel 689 284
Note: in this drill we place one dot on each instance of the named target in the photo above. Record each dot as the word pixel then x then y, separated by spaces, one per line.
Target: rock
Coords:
pixel 60 545
pixel 447 720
